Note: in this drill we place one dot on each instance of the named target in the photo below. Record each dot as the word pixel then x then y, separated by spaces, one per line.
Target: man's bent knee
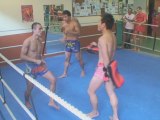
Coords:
pixel 90 91
pixel 67 59
pixel 53 81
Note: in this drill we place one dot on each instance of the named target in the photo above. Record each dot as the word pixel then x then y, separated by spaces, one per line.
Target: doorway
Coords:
pixel 150 15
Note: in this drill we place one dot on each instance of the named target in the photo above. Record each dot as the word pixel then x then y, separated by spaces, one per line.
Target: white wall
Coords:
pixel 10 16
pixel 141 3
pixel 11 19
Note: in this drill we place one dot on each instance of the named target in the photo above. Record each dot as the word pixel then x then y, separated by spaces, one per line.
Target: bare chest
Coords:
pixel 35 46
pixel 69 27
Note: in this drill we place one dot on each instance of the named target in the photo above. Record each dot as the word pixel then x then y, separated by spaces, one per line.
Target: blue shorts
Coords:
pixel 72 46
pixel 34 70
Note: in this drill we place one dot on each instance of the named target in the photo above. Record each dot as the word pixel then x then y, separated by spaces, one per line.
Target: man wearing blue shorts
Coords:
pixel 35 65
pixel 71 30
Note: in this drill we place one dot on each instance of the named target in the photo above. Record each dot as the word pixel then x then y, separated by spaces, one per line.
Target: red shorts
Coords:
pixel 140 28
pixel 99 73
pixel 36 70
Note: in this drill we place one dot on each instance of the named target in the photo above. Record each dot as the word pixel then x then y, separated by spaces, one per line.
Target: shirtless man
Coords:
pixel 35 65
pixel 71 30
pixel 107 48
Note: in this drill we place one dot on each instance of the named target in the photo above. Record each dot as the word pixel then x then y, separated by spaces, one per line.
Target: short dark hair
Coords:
pixel 67 12
pixel 34 25
pixel 108 19
pixel 130 9
pixel 140 8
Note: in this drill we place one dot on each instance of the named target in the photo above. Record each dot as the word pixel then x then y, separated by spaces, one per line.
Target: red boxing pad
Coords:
pixel 92 49
pixel 116 77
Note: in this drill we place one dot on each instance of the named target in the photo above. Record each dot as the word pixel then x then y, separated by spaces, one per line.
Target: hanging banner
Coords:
pixel 27 13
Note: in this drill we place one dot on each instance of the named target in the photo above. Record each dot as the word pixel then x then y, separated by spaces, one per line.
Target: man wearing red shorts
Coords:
pixel 140 19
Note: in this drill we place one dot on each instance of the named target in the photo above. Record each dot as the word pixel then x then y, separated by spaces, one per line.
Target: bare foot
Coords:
pixel 82 73
pixel 113 118
pixel 52 104
pixel 28 105
pixel 93 114
pixel 63 76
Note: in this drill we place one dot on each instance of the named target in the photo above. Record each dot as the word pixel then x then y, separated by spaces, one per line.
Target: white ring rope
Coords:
pixel 89 36
pixel 140 35
pixel 83 23
pixel 18 100
pixel 59 52
pixel 142 24
pixel 12 60
pixel 138 46
pixel 96 22
pixel 54 44
pixel 147 24
pixel 8 109
pixel 10 47
pixel 156 50
pixel 66 105
pixel 15 30
pixel 57 24
pixel 56 40
pixel 19 29
pixel 47 41
pixel 79 37
pixel 53 25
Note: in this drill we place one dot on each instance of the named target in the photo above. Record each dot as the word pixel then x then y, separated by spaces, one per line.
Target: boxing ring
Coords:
pixel 138 98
